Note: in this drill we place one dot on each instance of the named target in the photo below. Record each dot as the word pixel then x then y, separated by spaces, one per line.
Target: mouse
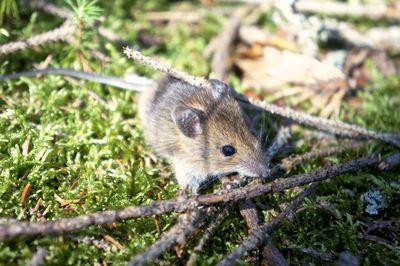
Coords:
pixel 201 131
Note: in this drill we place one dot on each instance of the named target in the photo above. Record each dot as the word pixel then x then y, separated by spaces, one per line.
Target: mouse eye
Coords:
pixel 228 150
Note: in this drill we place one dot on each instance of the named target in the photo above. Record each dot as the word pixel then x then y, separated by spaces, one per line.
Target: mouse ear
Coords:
pixel 189 120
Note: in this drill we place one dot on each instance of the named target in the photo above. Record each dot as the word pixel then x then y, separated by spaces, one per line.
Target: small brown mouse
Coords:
pixel 201 131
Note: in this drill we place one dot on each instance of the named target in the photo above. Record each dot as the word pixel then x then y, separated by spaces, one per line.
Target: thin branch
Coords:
pixel 219 62
pixel 63 33
pixel 382 241
pixel 187 224
pixel 270 254
pixel 67 14
pixel 257 237
pixel 324 256
pixel 181 204
pixel 375 11
pixel 154 64
pixel 375 38
pixel 39 257
pixel 206 235
pixel 249 213
pixel 294 161
pixel 334 127
pixel 390 162
pixel 51 9
pixel 278 143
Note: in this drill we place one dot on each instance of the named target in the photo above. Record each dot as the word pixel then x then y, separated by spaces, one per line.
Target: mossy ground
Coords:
pixel 82 142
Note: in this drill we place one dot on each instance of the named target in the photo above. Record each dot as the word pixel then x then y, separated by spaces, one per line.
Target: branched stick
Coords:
pixel 187 224
pixel 17 229
pixel 154 64
pixel 257 237
pixel 335 127
pixel 373 11
pixel 63 33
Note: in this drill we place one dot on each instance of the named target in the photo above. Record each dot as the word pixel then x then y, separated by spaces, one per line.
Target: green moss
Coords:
pixel 82 142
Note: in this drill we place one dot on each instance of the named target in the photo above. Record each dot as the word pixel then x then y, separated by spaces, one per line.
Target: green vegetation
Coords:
pixel 80 147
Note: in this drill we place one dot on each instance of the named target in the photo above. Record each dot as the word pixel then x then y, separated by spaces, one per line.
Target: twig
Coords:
pixel 375 11
pixel 176 15
pixel 249 212
pixel 206 235
pixel 294 161
pixel 390 162
pixel 67 14
pixel 51 9
pixel 39 257
pixel 63 33
pixel 186 225
pixel 382 241
pixel 334 127
pixel 219 62
pixel 324 256
pixel 375 38
pixel 278 143
pixel 270 254
pixel 154 64
pixel 257 238
pixel 181 204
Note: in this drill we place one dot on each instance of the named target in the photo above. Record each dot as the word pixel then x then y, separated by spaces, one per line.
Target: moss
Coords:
pixel 82 142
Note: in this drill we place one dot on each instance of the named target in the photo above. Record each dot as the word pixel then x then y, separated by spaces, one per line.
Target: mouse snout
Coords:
pixel 257 169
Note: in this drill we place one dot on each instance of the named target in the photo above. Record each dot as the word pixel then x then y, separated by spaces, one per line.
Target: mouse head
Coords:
pixel 217 136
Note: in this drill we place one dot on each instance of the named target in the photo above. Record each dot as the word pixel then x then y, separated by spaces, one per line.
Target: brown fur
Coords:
pixel 198 159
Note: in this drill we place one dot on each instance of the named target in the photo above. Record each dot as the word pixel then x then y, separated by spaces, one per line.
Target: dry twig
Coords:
pixel 63 33
pixel 187 224
pixel 334 127
pixel 206 235
pixel 294 161
pixel 39 257
pixel 219 62
pixel 154 64
pixel 373 11
pixel 257 237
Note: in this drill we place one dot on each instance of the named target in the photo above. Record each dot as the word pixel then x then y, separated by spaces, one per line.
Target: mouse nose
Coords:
pixel 257 169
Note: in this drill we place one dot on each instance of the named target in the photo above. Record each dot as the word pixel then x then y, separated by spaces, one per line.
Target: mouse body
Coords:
pixel 202 131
